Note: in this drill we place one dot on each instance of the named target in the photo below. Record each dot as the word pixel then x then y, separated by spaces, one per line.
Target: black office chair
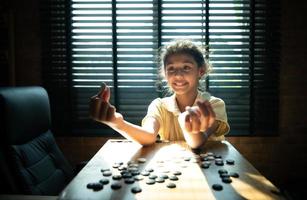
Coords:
pixel 31 160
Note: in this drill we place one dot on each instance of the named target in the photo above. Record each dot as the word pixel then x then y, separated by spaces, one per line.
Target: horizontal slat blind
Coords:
pixel 136 45
pixel 91 56
pixel 56 62
pixel 229 42
pixel 266 66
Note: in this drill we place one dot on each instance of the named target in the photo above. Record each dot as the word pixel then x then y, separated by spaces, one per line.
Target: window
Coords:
pixel 115 41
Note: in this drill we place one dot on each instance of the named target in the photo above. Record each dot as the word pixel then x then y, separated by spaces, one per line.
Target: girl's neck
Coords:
pixel 185 100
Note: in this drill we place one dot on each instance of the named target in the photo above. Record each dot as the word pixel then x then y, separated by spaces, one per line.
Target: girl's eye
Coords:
pixel 170 70
pixel 186 68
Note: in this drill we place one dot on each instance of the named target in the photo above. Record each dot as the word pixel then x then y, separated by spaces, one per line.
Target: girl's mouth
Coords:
pixel 180 84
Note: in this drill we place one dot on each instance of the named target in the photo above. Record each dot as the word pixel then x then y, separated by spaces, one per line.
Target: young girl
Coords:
pixel 188 114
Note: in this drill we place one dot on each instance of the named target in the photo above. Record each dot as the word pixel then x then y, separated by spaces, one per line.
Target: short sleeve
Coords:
pixel 219 108
pixel 154 110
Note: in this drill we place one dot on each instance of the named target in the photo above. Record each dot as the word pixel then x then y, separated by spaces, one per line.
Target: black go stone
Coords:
pixel 144 173
pixel 95 186
pixel 187 159
pixel 173 178
pixel 204 165
pixel 126 175
pixel 219 162
pixel 116 186
pixel 136 189
pixel 224 175
pixel 104 181
pixel 117 177
pixel 217 156
pixel 129 180
pixel 90 185
pixel 134 173
pixel 226 180
pixel 205 159
pixel 107 173
pixel 159 180
pixel 150 181
pixel 152 176
pixel 116 165
pixel 164 176
pixel 230 162
pixel 149 170
pixel 171 185
pixel 217 187
pixel 234 174
pixel 132 169
pixel 223 171
pixel 177 173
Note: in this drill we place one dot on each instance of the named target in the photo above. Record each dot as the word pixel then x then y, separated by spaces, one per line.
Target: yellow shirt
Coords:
pixel 166 111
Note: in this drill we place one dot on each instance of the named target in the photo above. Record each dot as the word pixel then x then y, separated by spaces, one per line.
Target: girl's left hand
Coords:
pixel 199 118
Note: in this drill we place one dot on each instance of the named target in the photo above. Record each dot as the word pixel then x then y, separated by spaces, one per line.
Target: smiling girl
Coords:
pixel 188 114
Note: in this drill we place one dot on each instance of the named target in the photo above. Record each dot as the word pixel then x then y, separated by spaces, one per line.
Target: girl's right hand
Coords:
pixel 102 111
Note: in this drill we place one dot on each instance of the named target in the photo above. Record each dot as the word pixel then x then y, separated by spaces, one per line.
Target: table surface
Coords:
pixel 194 182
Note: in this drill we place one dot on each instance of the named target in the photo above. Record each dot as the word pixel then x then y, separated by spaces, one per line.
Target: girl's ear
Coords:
pixel 201 71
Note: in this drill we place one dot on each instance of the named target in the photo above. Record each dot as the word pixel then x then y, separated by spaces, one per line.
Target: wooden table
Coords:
pixel 194 183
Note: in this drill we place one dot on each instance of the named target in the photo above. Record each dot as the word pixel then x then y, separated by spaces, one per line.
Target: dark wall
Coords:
pixel 281 159
pixel 21 26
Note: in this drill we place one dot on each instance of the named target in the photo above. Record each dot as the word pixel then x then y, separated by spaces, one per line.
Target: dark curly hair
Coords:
pixel 179 46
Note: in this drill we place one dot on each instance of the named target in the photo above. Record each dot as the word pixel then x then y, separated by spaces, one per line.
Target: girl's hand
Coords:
pixel 102 111
pixel 199 118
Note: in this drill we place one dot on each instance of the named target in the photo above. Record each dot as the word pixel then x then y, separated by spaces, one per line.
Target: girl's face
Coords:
pixel 182 73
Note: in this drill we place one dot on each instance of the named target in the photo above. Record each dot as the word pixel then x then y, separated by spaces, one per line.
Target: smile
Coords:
pixel 180 84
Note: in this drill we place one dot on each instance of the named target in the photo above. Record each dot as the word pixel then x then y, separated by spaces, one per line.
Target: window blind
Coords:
pixel 115 41
pixel 91 55
pixel 56 61
pixel 230 35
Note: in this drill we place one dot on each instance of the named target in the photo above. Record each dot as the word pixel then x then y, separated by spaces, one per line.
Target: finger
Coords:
pixel 106 94
pixel 203 108
pixel 195 122
pixel 194 110
pixel 203 124
pixel 102 89
pixel 104 106
pixel 187 123
pixel 211 114
pixel 205 116
pixel 110 113
pixel 94 108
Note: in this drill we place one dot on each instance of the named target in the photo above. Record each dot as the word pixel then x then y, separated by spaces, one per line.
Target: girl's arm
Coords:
pixel 144 135
pixel 102 111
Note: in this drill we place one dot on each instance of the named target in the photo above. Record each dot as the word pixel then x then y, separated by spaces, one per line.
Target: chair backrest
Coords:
pixel 33 157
